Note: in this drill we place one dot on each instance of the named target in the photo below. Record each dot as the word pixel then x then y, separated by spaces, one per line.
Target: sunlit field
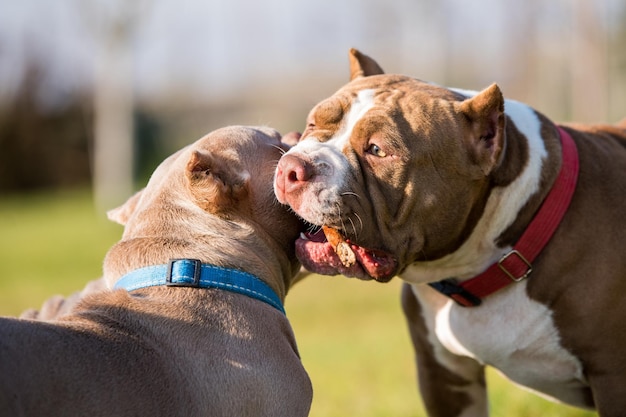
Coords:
pixel 351 334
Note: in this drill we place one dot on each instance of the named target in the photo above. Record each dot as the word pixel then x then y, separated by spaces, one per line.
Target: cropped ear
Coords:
pixel 485 114
pixel 122 213
pixel 215 186
pixel 362 65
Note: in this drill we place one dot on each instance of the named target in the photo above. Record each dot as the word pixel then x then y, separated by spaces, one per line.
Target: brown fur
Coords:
pixel 165 351
pixel 426 177
pixel 580 275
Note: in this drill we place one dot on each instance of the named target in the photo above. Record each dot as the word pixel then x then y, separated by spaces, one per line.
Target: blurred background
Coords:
pixel 99 90
pixel 95 93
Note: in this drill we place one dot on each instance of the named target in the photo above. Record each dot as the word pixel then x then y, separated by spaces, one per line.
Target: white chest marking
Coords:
pixel 508 331
pixel 479 250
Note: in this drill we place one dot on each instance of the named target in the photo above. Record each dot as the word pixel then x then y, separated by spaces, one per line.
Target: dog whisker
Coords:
pixel 351 193
pixel 312 228
pixel 360 220
pixel 356 234
pixel 343 226
pixel 282 151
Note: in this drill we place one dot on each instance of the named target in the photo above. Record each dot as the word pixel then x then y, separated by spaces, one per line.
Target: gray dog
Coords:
pixel 194 325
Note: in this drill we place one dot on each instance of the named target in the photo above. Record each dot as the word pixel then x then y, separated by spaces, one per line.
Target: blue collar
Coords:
pixel 193 273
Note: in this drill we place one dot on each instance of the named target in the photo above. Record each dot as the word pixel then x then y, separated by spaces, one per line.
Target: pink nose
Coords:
pixel 292 173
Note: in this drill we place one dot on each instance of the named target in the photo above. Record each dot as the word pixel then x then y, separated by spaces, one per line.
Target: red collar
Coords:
pixel 516 265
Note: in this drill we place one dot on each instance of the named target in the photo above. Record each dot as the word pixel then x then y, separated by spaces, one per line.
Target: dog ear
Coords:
pixel 122 213
pixel 215 187
pixel 362 65
pixel 485 113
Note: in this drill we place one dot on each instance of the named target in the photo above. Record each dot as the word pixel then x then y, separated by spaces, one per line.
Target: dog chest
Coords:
pixel 510 332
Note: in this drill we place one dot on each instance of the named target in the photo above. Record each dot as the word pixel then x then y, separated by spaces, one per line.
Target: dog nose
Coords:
pixel 293 172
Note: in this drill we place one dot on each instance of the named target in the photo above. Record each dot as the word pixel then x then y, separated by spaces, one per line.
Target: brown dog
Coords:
pixel 516 224
pixel 203 335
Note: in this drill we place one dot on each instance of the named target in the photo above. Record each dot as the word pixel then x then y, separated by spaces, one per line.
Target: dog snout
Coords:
pixel 292 174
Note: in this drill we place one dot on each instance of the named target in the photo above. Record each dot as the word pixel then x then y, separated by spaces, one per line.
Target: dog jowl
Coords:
pixel 506 227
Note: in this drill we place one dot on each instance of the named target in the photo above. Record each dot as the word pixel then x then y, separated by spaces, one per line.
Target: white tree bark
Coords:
pixel 113 23
pixel 113 120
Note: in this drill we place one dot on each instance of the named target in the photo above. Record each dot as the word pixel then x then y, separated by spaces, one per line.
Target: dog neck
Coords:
pixel 212 240
pixel 533 147
pixel 192 273
pixel 517 264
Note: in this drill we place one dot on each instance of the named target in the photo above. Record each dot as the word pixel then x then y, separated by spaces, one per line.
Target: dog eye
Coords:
pixel 376 151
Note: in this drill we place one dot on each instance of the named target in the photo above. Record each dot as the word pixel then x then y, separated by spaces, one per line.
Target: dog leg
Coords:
pixel 445 393
pixel 608 394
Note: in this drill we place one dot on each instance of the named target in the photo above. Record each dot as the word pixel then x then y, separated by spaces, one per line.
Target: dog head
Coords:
pixel 213 201
pixel 401 167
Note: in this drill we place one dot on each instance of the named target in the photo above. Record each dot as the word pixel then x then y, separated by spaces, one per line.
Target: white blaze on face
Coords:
pixel 328 157
pixel 363 102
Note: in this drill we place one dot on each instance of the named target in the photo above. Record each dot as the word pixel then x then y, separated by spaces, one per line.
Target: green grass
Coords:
pixel 351 334
pixel 50 243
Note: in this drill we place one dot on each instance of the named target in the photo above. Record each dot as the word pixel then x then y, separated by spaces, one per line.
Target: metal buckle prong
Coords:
pixel 197 271
pixel 508 273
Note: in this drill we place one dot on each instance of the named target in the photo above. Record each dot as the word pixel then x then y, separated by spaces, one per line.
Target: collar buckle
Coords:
pixel 515 270
pixel 183 272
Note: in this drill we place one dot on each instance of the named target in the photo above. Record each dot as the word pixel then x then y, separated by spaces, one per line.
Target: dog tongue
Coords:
pixel 336 256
